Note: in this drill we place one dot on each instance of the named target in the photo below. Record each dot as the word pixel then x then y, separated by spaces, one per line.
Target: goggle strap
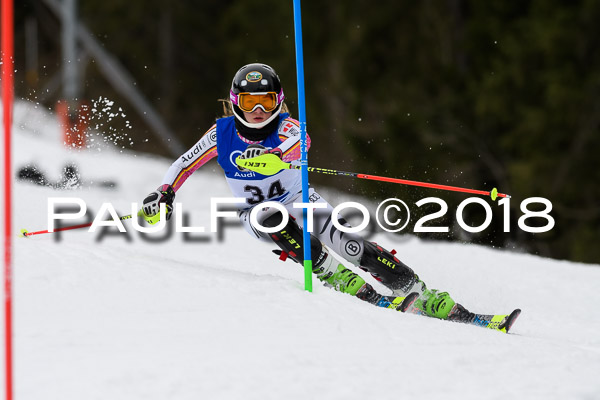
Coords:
pixel 233 97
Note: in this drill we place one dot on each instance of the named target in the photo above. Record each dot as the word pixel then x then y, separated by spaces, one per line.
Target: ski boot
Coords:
pixel 401 279
pixel 324 266
pixel 327 268
pixel 394 274
pixel 434 304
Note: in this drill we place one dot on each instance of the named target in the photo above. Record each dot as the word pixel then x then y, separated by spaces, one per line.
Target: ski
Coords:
pixel 497 322
pixel 398 303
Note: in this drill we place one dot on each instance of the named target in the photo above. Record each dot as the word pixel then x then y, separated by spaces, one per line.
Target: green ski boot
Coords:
pixel 435 304
pixel 339 277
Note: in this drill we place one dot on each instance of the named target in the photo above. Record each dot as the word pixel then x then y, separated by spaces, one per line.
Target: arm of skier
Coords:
pixel 289 134
pixel 288 150
pixel 203 151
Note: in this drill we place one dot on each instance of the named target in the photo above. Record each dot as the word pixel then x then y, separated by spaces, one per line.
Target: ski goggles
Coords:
pixel 248 102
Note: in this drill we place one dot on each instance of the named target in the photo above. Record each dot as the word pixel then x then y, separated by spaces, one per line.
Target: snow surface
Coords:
pixel 116 318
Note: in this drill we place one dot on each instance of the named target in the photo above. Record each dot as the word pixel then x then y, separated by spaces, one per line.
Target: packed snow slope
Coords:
pixel 118 317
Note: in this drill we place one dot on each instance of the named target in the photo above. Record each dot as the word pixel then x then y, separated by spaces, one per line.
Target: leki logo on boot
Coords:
pixel 386 262
pixel 290 239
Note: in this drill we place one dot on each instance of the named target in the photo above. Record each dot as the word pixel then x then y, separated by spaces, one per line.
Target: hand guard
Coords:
pixel 151 205
pixel 255 150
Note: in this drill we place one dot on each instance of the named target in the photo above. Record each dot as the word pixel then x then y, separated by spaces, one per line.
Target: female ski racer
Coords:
pixel 260 124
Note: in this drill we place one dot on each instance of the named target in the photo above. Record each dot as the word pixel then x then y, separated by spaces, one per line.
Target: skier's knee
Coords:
pixel 269 217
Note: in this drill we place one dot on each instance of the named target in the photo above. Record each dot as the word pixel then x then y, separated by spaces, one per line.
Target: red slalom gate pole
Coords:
pixel 26 233
pixel 7 105
pixel 270 164
pixel 432 185
pixel 493 194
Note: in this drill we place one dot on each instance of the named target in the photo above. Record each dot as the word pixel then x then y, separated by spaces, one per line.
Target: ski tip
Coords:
pixel 407 302
pixel 509 321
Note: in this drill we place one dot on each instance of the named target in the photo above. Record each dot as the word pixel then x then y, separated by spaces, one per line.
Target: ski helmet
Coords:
pixel 256 85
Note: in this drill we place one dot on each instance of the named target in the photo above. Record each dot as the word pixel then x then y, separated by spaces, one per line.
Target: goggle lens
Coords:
pixel 249 101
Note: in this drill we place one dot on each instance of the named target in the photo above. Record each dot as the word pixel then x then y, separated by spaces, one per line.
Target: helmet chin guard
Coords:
pixel 239 115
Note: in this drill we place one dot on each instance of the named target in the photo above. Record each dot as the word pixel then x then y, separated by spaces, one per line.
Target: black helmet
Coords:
pixel 256 78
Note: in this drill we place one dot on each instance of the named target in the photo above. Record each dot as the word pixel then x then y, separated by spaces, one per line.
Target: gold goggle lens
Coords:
pixel 249 101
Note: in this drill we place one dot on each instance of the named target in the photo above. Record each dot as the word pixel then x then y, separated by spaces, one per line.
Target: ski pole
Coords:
pixel 270 164
pixel 25 233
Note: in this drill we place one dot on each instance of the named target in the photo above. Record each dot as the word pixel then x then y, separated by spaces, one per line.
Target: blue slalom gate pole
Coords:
pixel 303 143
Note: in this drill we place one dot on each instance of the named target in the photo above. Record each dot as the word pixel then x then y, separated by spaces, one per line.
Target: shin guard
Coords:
pixel 324 265
pixel 387 269
pixel 290 240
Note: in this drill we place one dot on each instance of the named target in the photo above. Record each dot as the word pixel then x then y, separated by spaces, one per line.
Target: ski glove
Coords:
pixel 164 194
pixel 255 150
